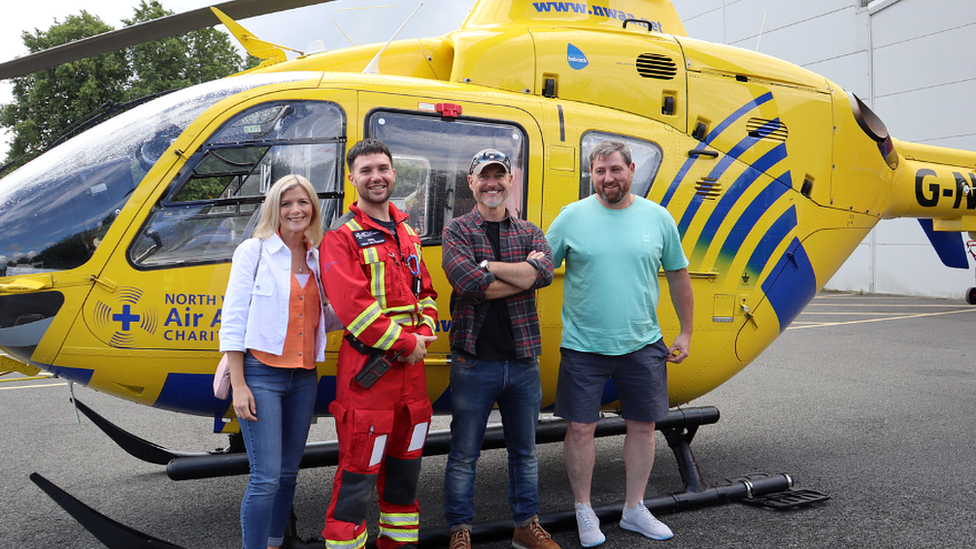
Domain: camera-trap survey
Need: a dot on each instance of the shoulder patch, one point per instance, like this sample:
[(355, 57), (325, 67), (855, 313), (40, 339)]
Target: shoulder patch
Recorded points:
[(346, 218)]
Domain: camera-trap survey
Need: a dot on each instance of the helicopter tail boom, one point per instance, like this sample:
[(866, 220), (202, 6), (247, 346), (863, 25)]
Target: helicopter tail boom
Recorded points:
[(935, 183)]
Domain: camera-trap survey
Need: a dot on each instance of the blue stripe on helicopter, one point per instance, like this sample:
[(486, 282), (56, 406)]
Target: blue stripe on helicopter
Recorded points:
[(193, 394), (721, 127), (750, 217), (778, 231), (791, 285), (78, 375), (734, 192)]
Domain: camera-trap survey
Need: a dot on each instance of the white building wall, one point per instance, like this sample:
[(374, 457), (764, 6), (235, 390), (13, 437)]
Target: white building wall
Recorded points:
[(912, 61)]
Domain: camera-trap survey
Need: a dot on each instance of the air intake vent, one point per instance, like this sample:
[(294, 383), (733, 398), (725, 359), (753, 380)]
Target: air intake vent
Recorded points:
[(653, 65), (708, 188), (762, 128)]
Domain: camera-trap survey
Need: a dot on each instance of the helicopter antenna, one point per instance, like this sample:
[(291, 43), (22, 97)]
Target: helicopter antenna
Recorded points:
[(350, 9), (374, 65), (761, 28)]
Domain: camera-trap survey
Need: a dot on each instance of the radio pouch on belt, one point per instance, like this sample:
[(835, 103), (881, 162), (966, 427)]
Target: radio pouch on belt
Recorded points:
[(375, 367)]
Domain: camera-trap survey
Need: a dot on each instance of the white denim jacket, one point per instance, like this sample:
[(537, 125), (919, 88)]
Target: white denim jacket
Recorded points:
[(262, 325)]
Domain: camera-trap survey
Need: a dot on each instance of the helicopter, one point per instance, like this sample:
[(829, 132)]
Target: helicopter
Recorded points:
[(117, 243)]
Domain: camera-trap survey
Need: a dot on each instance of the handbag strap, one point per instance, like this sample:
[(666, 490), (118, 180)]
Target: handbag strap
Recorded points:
[(255, 277)]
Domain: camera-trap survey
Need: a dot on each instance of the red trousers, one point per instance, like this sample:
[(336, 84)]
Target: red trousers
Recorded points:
[(381, 432)]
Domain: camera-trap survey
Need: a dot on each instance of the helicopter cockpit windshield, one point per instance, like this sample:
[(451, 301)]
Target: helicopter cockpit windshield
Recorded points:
[(55, 210)]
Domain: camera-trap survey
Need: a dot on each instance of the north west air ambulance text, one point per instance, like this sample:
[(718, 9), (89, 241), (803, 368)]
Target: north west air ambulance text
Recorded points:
[(186, 322), (597, 11), (190, 318)]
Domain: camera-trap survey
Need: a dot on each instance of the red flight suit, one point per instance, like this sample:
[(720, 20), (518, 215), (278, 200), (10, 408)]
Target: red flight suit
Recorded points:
[(381, 430)]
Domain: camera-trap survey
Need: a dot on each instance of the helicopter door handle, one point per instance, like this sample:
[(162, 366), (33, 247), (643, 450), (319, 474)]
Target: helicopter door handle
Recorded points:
[(749, 315), (108, 284), (700, 152)]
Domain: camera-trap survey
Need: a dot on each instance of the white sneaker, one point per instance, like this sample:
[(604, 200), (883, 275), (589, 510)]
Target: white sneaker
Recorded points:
[(641, 520), (589, 526)]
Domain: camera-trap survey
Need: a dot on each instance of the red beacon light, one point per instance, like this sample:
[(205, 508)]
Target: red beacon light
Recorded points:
[(449, 110)]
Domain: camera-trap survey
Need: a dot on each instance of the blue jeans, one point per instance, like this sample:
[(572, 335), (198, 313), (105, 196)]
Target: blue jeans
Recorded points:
[(475, 386), (284, 399)]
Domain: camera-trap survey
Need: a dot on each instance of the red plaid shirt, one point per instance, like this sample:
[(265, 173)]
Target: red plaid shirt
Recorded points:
[(465, 245)]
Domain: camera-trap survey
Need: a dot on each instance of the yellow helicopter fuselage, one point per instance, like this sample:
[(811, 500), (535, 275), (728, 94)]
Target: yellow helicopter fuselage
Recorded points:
[(773, 173)]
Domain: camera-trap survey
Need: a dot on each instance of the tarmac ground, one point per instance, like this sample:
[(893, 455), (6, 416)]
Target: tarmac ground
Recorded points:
[(865, 398)]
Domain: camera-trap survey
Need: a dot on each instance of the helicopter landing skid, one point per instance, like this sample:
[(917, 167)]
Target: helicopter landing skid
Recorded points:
[(679, 429), (115, 535)]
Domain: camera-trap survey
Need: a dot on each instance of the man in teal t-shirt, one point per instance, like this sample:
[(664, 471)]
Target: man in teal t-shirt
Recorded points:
[(614, 244)]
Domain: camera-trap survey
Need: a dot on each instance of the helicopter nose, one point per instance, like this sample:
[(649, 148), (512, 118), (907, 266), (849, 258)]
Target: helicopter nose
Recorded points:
[(24, 319)]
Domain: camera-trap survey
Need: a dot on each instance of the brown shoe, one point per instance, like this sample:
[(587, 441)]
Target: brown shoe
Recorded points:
[(461, 539), (532, 536)]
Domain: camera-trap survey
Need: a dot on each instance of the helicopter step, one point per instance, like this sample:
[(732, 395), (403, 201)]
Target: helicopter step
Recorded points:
[(115, 535), (679, 429), (785, 501)]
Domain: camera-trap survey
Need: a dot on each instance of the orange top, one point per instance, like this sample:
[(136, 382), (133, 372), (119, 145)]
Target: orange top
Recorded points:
[(304, 309)]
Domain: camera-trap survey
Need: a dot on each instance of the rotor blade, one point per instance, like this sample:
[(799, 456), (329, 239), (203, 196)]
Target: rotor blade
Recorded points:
[(164, 27)]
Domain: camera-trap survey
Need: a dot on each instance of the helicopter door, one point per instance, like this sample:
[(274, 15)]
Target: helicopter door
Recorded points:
[(166, 290), (432, 154)]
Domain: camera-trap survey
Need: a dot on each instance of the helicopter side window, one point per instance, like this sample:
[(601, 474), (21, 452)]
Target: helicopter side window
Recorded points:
[(646, 156), (431, 157), (216, 201)]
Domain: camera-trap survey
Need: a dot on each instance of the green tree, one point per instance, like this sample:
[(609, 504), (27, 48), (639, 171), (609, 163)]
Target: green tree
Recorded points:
[(179, 61), (47, 102)]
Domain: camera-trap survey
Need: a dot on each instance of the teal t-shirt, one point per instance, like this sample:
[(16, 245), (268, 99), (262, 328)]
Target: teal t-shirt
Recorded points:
[(611, 290)]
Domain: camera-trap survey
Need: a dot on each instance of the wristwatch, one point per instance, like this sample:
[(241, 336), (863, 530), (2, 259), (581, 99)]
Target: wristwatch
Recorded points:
[(483, 264)]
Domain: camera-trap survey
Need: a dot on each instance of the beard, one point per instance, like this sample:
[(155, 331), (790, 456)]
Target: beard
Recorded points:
[(492, 200)]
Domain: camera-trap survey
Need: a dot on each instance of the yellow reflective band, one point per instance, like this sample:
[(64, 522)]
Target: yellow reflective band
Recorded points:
[(377, 284), (408, 309), (389, 338), (401, 319), (401, 519), (407, 536), (371, 254), (357, 543), (428, 303), (364, 319), (429, 322), (354, 225)]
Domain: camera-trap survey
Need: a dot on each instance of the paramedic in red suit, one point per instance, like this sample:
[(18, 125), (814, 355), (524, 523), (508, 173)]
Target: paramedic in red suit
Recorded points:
[(371, 263)]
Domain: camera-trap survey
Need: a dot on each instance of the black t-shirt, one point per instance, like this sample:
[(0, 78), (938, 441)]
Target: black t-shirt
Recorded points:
[(496, 340), (390, 226)]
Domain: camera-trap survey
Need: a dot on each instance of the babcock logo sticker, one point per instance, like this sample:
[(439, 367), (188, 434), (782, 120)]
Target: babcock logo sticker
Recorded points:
[(577, 59)]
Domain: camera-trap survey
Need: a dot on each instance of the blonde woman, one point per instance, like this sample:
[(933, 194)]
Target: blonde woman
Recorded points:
[(274, 320)]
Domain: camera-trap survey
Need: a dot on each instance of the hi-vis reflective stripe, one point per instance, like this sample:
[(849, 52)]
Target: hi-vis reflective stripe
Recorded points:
[(377, 273), (428, 303), (357, 543), (406, 536), (400, 519), (364, 319), (401, 527), (402, 318), (389, 338)]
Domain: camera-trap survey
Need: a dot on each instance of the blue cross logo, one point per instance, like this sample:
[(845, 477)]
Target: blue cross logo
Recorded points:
[(126, 318)]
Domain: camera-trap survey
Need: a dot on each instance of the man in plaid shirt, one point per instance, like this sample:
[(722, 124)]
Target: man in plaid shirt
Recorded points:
[(494, 262)]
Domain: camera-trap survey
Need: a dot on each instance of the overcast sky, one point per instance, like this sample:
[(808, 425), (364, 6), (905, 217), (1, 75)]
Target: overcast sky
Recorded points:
[(295, 28)]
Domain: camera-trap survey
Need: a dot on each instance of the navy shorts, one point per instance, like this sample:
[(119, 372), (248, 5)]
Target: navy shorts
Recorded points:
[(641, 380)]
